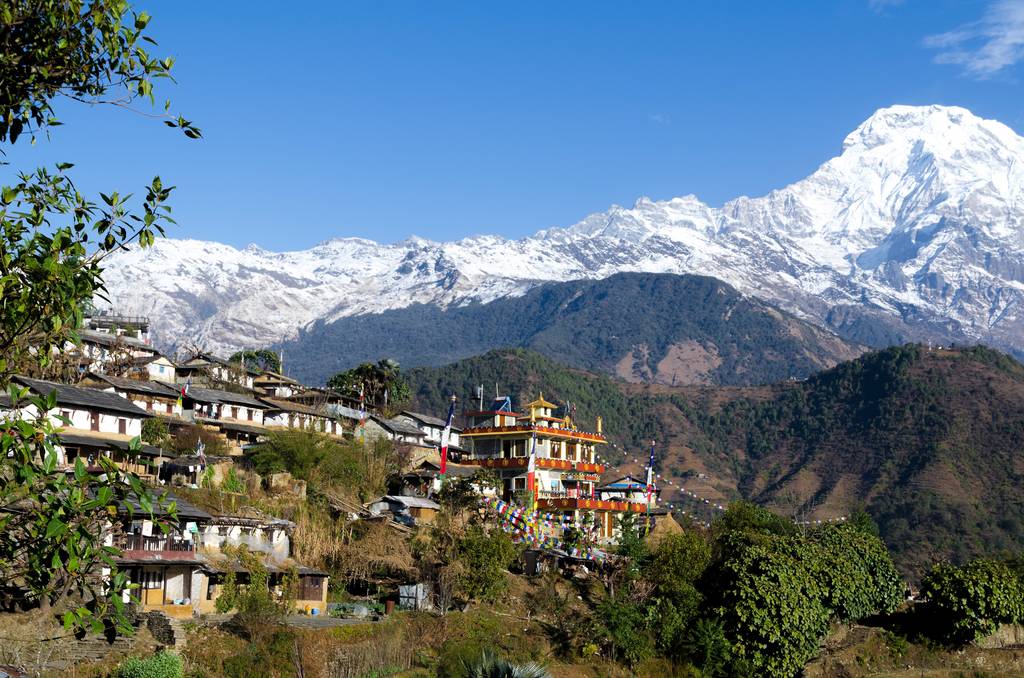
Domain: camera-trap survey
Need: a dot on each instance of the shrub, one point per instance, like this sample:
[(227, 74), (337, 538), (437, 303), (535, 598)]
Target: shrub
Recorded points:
[(488, 665), (161, 665), (485, 557), (970, 602), (625, 630)]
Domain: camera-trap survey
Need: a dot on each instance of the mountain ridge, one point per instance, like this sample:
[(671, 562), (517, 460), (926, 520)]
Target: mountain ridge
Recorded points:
[(928, 441), (641, 327), (913, 231)]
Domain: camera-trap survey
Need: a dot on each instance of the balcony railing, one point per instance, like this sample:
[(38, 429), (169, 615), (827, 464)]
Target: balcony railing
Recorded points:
[(138, 542)]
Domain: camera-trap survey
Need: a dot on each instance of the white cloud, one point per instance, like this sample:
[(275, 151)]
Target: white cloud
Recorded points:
[(987, 46), (660, 118)]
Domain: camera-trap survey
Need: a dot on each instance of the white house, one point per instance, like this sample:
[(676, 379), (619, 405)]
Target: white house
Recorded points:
[(288, 414), (97, 423), (155, 397), (431, 427)]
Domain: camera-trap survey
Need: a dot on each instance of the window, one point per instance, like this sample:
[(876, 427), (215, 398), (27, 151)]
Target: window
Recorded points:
[(149, 405), (170, 408), (519, 483), (556, 449), (248, 414), (94, 421), (234, 412), (122, 426)]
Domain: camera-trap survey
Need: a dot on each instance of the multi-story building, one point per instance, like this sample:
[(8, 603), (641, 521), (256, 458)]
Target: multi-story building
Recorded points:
[(566, 473)]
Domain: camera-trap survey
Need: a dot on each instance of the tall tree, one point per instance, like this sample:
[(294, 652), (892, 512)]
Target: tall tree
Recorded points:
[(53, 241), (382, 383)]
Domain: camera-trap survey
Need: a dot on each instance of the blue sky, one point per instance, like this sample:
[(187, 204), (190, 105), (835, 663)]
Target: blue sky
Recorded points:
[(383, 119)]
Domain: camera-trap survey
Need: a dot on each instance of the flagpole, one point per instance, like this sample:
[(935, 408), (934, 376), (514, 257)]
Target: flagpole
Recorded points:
[(650, 489)]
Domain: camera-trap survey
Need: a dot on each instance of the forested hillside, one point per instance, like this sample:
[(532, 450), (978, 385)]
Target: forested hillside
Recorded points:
[(930, 443), (641, 327)]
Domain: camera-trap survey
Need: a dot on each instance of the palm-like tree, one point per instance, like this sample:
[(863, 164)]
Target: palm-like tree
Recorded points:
[(491, 666)]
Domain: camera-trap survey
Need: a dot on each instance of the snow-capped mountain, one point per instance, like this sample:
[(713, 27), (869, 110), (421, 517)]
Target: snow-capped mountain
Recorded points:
[(915, 227)]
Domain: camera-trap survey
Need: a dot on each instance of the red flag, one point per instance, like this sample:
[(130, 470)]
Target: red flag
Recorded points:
[(446, 436)]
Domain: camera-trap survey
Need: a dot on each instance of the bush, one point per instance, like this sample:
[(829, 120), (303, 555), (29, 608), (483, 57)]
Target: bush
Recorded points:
[(970, 602), (625, 630), (484, 557), (161, 665)]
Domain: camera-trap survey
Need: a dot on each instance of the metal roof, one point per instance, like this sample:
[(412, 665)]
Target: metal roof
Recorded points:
[(77, 396), (411, 502)]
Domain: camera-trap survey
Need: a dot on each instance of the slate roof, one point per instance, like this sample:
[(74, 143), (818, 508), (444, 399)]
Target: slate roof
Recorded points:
[(428, 420), (398, 426), (102, 442), (209, 395), (108, 339), (89, 398), (186, 511), (136, 386), (289, 406)]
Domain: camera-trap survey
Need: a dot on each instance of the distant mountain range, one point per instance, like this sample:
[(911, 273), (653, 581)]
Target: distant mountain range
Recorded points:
[(929, 442), (640, 327), (913, 230)]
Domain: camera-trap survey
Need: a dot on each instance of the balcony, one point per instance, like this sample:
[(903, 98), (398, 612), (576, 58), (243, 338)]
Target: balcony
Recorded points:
[(542, 463), (552, 501), (159, 547)]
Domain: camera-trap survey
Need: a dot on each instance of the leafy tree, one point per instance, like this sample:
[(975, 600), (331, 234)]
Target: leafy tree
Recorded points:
[(770, 603), (52, 247), (743, 516), (155, 432), (381, 381), (970, 602), (856, 572), (674, 569), (264, 359)]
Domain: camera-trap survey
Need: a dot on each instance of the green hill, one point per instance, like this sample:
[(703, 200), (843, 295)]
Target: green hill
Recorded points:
[(640, 327), (931, 443)]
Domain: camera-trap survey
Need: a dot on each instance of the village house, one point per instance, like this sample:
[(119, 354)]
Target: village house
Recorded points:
[(288, 414), (423, 478), (154, 368), (405, 509), (104, 351), (166, 567), (276, 385), (93, 422), (431, 427), (155, 397), (397, 430), (205, 369), (270, 538), (237, 416), (628, 488), (566, 473)]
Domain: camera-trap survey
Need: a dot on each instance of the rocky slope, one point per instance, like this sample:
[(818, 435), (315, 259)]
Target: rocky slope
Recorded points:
[(913, 230)]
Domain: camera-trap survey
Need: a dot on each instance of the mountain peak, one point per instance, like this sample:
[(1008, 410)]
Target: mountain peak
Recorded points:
[(903, 123)]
